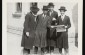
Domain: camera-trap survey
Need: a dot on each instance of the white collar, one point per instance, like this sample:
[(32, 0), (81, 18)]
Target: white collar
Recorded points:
[(44, 15), (63, 15), (34, 14)]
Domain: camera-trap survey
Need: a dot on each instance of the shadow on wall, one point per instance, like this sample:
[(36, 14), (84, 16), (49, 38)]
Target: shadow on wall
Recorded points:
[(76, 39), (75, 21)]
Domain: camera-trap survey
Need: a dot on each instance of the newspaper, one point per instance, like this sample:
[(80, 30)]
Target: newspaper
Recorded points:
[(60, 28)]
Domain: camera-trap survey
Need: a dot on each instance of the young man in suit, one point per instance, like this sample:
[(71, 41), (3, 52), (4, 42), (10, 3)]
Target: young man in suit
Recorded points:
[(62, 40), (41, 30), (29, 28), (51, 32)]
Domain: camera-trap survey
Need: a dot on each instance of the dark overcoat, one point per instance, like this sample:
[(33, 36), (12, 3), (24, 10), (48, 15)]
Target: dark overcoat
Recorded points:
[(51, 32), (62, 37), (29, 26), (41, 31)]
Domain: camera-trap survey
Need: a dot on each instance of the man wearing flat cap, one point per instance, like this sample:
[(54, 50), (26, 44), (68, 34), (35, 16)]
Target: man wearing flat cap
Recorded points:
[(29, 28), (41, 30), (51, 32), (62, 40)]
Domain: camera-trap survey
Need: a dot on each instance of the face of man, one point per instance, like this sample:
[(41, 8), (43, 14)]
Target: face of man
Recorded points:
[(35, 12), (45, 11), (51, 8), (62, 12)]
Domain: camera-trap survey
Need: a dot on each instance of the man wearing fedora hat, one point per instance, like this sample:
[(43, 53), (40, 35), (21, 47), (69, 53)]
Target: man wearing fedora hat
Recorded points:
[(29, 29), (41, 30), (62, 37), (51, 32)]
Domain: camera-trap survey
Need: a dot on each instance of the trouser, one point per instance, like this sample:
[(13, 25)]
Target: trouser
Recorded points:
[(36, 49), (60, 50), (28, 50), (42, 49), (50, 48)]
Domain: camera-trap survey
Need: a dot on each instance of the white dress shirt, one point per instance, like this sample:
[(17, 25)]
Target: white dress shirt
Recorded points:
[(35, 16), (51, 12), (44, 16), (62, 17)]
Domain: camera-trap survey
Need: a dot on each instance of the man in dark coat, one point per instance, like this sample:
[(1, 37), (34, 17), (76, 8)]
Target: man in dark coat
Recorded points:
[(41, 30), (29, 28), (51, 32), (62, 37)]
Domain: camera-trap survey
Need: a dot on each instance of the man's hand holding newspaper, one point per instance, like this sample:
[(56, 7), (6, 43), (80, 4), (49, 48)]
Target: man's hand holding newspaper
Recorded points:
[(60, 28)]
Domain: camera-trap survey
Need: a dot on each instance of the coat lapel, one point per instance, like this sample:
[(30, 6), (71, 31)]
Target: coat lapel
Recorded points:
[(52, 13), (34, 18), (64, 19), (60, 21), (44, 18)]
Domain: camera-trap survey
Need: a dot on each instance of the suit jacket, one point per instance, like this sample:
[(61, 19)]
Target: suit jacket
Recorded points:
[(30, 23), (53, 15), (41, 30), (65, 21), (43, 23), (52, 31), (62, 37), (29, 26)]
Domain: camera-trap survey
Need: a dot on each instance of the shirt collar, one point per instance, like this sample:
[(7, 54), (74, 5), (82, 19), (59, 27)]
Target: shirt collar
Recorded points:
[(34, 14), (43, 15), (51, 11), (63, 15)]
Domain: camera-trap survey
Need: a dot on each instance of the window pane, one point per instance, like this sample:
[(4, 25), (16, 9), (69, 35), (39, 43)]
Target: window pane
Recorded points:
[(19, 7)]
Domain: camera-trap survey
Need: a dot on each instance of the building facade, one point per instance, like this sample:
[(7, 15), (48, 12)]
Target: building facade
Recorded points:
[(16, 16)]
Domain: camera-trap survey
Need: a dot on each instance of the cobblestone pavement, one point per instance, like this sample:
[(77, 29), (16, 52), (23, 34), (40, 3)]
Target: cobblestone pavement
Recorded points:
[(14, 46)]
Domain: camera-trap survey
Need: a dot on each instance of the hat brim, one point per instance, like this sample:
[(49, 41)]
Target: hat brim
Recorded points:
[(44, 9), (50, 5), (34, 9), (63, 9)]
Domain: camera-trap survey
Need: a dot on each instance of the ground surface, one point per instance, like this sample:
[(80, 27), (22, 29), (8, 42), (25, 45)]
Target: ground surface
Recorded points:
[(14, 46)]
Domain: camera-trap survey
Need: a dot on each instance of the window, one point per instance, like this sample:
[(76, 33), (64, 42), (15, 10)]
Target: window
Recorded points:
[(19, 7)]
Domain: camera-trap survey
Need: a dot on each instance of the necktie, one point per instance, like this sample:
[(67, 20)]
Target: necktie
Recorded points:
[(50, 13), (35, 18), (44, 16), (62, 17)]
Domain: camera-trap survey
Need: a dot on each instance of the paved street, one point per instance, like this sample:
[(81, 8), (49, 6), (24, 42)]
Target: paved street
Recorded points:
[(14, 46)]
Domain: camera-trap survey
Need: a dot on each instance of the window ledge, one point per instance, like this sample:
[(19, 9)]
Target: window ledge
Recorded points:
[(17, 14)]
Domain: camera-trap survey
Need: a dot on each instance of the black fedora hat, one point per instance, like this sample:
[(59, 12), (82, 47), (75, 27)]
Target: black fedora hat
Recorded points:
[(50, 4), (34, 7), (62, 8), (45, 8), (33, 4)]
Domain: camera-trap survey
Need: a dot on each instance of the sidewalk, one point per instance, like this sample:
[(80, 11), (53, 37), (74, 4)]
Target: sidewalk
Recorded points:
[(14, 46)]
